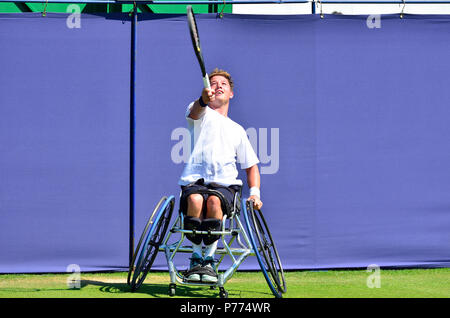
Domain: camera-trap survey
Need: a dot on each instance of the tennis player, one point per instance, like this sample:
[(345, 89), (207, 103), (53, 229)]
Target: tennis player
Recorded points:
[(218, 145)]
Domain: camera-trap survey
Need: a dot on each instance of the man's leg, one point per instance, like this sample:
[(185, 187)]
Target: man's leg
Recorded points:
[(212, 222), (195, 205), (192, 221), (214, 215), (214, 207)]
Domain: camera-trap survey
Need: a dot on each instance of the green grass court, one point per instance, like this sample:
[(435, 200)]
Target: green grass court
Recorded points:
[(404, 283)]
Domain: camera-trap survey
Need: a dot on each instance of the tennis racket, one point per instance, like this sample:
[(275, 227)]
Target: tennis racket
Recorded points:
[(196, 43)]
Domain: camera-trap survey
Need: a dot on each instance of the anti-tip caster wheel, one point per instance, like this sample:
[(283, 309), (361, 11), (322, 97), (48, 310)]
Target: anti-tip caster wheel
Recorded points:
[(172, 288), (223, 293)]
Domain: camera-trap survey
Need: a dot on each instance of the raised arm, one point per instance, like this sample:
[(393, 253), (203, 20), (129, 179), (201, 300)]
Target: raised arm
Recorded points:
[(197, 110)]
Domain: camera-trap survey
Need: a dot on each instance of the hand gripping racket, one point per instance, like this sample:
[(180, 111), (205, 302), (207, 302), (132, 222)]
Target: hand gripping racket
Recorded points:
[(196, 43)]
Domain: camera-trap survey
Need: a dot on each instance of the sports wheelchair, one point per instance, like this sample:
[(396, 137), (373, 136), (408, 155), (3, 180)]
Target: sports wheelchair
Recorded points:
[(237, 243)]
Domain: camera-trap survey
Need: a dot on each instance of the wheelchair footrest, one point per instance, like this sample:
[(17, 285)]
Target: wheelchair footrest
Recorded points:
[(219, 251)]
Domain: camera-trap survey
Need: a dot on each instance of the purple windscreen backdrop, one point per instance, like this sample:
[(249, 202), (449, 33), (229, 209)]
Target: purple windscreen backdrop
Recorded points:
[(64, 109), (347, 114), (349, 123)]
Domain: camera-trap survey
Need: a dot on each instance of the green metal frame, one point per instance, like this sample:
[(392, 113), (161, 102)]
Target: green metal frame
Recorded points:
[(17, 7)]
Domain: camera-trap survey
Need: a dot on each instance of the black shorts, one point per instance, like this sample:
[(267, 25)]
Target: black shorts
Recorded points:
[(198, 186)]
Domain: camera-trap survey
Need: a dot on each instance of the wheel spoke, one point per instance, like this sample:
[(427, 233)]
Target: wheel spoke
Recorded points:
[(267, 254), (155, 236)]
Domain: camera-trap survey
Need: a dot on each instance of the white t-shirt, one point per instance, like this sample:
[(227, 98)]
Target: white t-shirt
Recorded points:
[(217, 143)]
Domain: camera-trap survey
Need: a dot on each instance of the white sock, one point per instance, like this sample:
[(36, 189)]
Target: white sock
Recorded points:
[(211, 249), (197, 248)]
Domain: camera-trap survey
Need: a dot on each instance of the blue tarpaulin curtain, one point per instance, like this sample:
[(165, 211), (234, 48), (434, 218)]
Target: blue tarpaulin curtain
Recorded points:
[(350, 122)]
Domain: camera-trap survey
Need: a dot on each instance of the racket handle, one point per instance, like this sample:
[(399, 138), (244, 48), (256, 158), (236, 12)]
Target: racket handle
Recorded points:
[(206, 81)]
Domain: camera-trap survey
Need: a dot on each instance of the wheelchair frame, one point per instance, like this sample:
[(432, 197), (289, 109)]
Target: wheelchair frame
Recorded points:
[(232, 232)]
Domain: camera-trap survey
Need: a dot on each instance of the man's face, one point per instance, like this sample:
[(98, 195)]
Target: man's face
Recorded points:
[(222, 88)]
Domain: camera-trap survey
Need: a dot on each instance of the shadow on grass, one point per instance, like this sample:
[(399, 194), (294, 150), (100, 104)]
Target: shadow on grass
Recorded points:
[(162, 290), (153, 290)]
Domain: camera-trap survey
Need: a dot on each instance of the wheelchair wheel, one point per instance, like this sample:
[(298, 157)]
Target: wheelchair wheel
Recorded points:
[(153, 240), (143, 236), (265, 250)]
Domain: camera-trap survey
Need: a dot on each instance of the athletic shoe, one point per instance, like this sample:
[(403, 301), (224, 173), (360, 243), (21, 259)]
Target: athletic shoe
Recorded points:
[(209, 271), (195, 266)]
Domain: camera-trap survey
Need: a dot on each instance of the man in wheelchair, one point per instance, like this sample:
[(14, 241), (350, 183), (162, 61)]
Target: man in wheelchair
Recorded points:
[(209, 180)]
